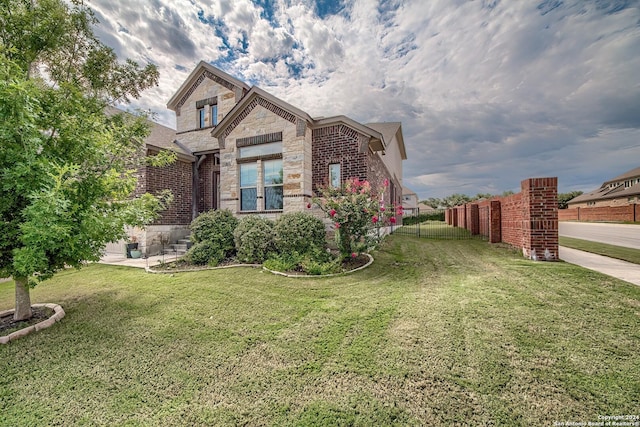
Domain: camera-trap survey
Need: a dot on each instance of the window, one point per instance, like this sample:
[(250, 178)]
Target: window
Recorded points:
[(248, 186), (200, 118), (272, 174), (260, 149), (334, 175), (214, 115)]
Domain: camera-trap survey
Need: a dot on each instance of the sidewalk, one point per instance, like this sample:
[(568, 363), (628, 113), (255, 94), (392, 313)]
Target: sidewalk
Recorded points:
[(619, 269), (119, 259)]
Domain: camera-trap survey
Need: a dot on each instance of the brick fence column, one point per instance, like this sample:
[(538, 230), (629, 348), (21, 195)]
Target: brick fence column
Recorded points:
[(540, 221), (474, 214), (495, 222), (454, 217)]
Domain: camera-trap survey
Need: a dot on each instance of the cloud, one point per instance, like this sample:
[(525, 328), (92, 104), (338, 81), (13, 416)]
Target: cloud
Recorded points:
[(489, 92)]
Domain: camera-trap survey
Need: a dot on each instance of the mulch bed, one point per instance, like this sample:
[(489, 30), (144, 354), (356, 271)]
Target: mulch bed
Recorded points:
[(182, 265), (8, 325)]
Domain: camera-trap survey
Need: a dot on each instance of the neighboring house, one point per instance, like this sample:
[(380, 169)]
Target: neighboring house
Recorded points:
[(241, 148), (409, 200), (620, 191)]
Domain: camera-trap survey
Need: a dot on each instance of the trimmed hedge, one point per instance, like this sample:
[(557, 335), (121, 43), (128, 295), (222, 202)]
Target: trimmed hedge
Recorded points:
[(254, 239), (299, 232)]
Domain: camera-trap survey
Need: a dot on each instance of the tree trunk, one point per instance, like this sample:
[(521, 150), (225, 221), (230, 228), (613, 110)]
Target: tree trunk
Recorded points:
[(23, 299)]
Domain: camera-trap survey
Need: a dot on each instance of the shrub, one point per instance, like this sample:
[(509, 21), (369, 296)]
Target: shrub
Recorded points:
[(216, 227), (284, 262), (299, 232), (356, 212), (203, 253), (254, 239)]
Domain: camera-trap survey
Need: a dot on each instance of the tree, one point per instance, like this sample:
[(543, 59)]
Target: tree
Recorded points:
[(564, 198), (434, 202), (66, 171)]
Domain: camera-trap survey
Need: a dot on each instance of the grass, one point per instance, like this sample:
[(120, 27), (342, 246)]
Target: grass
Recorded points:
[(433, 333), (612, 251)]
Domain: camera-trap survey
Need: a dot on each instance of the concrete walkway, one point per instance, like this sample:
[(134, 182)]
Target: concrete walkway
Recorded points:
[(619, 269), (119, 259)]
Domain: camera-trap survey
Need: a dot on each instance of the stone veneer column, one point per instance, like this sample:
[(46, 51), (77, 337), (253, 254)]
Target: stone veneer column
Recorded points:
[(540, 221)]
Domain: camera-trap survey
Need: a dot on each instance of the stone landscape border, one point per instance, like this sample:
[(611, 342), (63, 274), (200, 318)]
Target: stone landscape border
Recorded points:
[(319, 276), (301, 276), (58, 314)]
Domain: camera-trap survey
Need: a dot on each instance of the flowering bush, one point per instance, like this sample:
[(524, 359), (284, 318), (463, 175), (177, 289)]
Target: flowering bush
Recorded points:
[(356, 212)]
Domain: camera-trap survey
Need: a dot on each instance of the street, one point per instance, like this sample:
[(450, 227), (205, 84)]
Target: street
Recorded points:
[(626, 235)]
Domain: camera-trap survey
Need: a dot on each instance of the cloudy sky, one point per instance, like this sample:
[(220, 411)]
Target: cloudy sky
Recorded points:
[(489, 92)]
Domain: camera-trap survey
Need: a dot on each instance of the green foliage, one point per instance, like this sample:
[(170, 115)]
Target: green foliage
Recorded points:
[(215, 226), (320, 262), (67, 168), (416, 219), (289, 261), (205, 253), (315, 261), (254, 239), (299, 232), (564, 198)]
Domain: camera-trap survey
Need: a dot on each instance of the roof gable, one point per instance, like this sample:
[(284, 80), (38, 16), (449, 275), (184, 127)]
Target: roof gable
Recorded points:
[(200, 72), (389, 130), (375, 140), (253, 98)]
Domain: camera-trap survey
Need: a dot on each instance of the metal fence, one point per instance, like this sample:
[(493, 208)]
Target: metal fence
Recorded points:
[(431, 225)]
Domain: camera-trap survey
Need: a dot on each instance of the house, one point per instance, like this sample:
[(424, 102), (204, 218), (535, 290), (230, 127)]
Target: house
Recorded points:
[(243, 149), (409, 200), (620, 191)]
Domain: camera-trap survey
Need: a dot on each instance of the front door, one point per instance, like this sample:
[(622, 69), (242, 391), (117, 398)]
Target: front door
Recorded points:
[(216, 190)]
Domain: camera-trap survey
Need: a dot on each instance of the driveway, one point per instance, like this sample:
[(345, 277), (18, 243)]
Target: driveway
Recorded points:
[(627, 235)]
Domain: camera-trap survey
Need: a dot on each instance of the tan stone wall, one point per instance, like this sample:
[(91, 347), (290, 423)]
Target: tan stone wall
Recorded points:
[(296, 156), (187, 120)]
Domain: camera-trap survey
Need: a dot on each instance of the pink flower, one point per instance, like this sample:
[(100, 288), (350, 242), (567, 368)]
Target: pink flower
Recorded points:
[(392, 220), (332, 213), (354, 255), (382, 209), (374, 219), (337, 225), (385, 182)]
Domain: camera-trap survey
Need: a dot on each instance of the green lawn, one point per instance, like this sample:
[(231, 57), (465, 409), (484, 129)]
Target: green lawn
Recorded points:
[(433, 333), (612, 251)]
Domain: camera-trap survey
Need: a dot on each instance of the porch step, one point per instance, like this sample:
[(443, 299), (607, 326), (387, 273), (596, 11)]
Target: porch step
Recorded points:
[(176, 249)]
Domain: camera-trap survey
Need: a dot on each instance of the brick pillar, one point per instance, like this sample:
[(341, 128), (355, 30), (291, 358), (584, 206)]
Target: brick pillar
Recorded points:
[(495, 222), (540, 222), (454, 215), (474, 214), (465, 220)]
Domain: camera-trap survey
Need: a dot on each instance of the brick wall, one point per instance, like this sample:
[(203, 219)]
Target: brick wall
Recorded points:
[(341, 144), (336, 144), (527, 220), (604, 213), (177, 178)]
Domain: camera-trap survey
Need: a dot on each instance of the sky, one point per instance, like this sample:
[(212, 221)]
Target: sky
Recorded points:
[(489, 92)]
